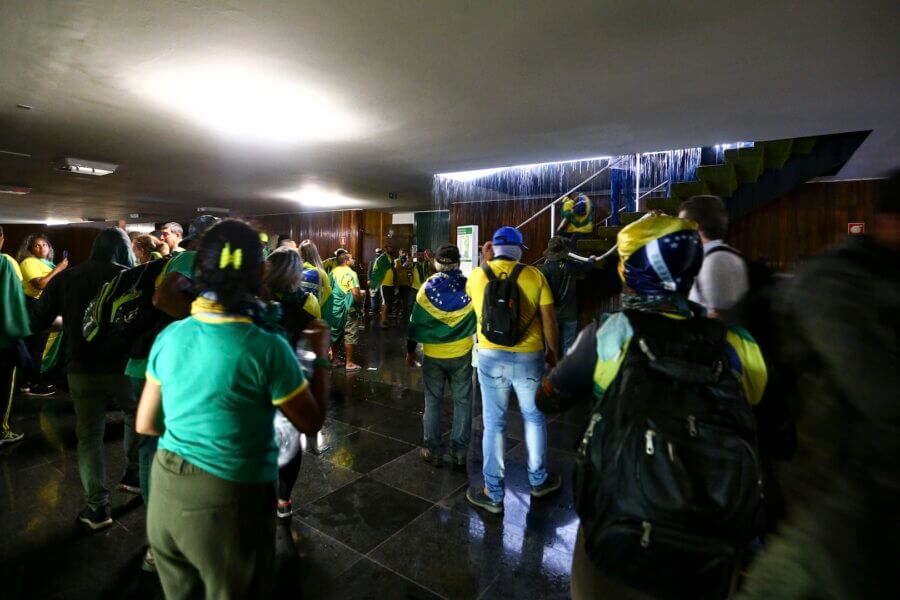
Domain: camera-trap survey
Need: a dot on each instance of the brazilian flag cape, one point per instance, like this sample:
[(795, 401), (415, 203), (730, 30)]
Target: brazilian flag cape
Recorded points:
[(14, 322), (443, 312), (342, 301), (318, 282), (379, 270)]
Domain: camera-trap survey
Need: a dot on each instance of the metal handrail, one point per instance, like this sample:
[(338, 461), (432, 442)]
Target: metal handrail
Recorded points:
[(648, 192), (538, 213), (637, 202)]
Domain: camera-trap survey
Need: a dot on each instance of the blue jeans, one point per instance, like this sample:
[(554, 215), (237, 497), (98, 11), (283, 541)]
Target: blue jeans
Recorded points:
[(568, 331), (498, 372)]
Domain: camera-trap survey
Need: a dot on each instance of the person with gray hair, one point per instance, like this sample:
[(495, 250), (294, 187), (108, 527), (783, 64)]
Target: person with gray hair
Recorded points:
[(172, 234), (723, 280)]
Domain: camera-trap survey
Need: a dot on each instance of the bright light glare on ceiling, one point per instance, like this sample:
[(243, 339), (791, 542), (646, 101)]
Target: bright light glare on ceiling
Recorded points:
[(465, 176), (316, 196), (245, 102)]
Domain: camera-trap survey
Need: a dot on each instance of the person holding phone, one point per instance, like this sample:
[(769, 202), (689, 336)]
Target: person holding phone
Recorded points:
[(38, 270)]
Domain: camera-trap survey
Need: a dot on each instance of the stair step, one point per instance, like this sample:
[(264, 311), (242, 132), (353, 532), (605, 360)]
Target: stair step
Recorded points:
[(627, 218), (595, 246), (608, 233), (720, 179), (749, 163), (777, 152), (669, 206), (685, 189), (803, 145)]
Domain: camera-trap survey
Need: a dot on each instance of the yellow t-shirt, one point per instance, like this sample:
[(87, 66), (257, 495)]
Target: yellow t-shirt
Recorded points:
[(15, 265), (534, 293), (388, 277), (33, 268), (402, 272)]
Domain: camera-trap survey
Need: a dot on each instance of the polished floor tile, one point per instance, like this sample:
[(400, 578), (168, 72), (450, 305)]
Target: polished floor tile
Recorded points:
[(363, 451), (319, 477), (415, 476), (371, 518), (367, 579), (454, 555), (363, 514)]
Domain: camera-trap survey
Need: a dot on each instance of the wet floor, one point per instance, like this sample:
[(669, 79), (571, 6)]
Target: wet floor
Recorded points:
[(371, 518)]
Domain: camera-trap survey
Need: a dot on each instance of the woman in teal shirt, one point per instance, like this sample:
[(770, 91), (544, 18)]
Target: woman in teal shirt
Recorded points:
[(214, 381)]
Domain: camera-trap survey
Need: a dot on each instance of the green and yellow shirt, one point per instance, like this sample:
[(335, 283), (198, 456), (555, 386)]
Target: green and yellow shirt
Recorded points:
[(222, 377)]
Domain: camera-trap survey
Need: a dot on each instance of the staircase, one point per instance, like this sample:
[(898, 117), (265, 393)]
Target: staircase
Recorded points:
[(747, 179)]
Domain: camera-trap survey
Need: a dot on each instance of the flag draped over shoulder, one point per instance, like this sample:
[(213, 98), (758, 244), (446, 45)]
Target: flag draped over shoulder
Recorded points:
[(317, 282), (443, 311), (379, 270), (14, 322), (343, 280)]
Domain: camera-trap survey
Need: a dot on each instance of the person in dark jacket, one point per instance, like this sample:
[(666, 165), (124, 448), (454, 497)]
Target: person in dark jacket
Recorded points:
[(841, 333), (94, 369), (561, 271)]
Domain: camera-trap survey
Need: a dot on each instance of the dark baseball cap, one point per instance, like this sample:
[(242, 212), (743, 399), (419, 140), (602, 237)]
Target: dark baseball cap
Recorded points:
[(448, 254)]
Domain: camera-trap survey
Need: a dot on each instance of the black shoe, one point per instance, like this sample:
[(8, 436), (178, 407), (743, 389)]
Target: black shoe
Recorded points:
[(430, 457), (481, 500), (130, 483), (95, 519), (550, 485), (42, 390), (458, 462)]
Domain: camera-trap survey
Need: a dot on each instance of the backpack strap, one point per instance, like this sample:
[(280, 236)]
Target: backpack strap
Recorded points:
[(487, 271), (517, 269)]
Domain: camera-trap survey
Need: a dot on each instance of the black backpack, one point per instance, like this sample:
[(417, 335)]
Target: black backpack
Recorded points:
[(667, 482), (122, 312), (502, 307)]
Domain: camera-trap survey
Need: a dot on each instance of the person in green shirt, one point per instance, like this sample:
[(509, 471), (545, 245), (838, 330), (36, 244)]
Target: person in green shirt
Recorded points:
[(209, 520), (347, 298), (14, 325)]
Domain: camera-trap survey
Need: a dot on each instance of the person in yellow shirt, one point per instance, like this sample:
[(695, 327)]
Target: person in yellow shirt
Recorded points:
[(347, 299), (577, 218), (38, 269), (520, 367), (402, 281)]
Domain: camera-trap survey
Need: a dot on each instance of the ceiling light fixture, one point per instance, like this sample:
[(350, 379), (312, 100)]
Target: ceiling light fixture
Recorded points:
[(247, 101), (86, 167), (315, 196)]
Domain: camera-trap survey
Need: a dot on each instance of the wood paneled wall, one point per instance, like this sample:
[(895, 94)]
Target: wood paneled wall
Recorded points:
[(492, 215), (76, 239), (805, 221), (359, 231)]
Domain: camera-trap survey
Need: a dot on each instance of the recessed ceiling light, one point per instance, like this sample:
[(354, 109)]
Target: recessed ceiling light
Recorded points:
[(316, 196), (86, 167), (249, 102)]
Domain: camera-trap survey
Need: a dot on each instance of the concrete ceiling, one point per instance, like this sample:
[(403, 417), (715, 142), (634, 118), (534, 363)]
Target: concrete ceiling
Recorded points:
[(428, 87)]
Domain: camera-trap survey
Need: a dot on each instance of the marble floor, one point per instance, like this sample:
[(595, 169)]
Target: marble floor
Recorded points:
[(371, 518)]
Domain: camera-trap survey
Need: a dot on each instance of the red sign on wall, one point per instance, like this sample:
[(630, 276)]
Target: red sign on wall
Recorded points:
[(856, 228)]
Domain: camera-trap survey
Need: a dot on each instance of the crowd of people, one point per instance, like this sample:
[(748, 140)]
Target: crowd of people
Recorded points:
[(734, 418)]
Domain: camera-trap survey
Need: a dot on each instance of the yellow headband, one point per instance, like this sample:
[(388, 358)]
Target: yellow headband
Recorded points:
[(227, 257)]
